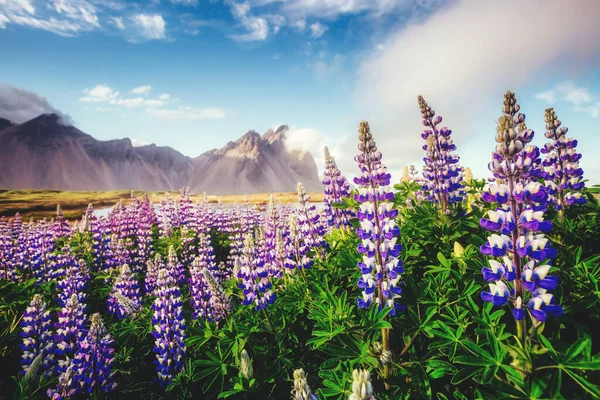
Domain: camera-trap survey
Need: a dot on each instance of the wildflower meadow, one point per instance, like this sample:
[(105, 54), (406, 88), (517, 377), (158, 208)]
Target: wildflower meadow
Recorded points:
[(432, 285)]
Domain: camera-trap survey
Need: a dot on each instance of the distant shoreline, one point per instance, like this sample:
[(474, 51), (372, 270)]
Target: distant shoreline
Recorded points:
[(40, 203)]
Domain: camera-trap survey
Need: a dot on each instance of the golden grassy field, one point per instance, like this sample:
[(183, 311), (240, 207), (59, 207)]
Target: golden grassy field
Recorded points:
[(42, 203)]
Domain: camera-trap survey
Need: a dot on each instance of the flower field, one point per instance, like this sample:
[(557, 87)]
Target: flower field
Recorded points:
[(433, 285)]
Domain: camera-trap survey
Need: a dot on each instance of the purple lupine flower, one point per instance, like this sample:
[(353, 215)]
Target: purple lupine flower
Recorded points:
[(7, 256), (189, 245), (175, 268), (65, 389), (518, 247), (336, 188), (219, 303), (296, 248), (152, 268), (311, 226), (237, 232), (442, 172), (564, 177), (61, 227), (36, 334), (73, 281), (199, 294), (16, 227), (92, 362), (127, 286), (186, 209), (256, 286), (169, 328), (69, 330), (380, 267)]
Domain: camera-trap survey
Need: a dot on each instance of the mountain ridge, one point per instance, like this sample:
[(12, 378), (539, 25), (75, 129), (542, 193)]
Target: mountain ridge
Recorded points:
[(45, 152)]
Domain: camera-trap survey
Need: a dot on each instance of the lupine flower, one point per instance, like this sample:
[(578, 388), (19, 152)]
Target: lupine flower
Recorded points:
[(127, 286), (69, 330), (564, 177), (380, 266), (336, 188), (174, 266), (246, 365), (361, 385), (37, 338), (442, 172), (73, 282), (199, 292), (92, 363), (383, 355), (255, 277), (309, 221), (189, 246), (219, 304), (169, 328), (61, 227), (296, 248), (65, 389), (152, 268), (519, 245), (301, 390)]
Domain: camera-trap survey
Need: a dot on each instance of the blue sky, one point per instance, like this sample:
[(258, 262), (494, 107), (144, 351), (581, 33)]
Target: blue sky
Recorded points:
[(194, 74)]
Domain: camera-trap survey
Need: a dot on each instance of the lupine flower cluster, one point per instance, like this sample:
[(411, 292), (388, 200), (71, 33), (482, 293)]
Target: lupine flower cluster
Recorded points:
[(70, 329), (301, 390), (92, 362), (175, 268), (362, 389), (254, 277), (310, 223), (336, 188), (380, 266), (517, 245), (37, 336), (126, 286), (442, 173), (296, 249), (169, 328), (564, 177)]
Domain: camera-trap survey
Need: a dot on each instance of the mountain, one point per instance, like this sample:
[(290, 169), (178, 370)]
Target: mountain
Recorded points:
[(47, 153)]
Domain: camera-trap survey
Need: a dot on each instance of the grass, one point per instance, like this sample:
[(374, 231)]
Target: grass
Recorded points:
[(42, 203)]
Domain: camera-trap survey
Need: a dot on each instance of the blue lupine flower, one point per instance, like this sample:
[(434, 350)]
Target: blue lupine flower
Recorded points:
[(564, 177), (169, 328), (336, 188), (70, 329), (443, 175), (519, 218), (127, 286), (36, 335), (92, 362), (255, 283), (380, 267)]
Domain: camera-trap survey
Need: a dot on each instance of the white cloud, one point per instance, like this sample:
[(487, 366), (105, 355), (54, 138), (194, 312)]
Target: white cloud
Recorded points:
[(463, 58), (317, 30), (574, 94), (150, 26), (548, 96), (79, 10), (99, 93), (592, 109), (299, 24), (257, 27), (118, 22), (129, 102), (62, 17), (141, 89), (185, 2), (3, 21), (138, 143), (187, 113), (164, 96)]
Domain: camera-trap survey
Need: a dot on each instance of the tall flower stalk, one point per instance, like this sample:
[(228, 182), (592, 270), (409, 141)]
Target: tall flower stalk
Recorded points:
[(442, 172), (311, 226), (517, 274), (336, 188), (36, 334), (378, 231), (169, 328), (564, 177)]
